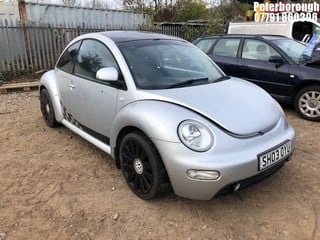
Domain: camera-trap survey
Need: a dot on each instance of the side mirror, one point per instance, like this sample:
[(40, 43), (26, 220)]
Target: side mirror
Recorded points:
[(107, 74), (277, 60)]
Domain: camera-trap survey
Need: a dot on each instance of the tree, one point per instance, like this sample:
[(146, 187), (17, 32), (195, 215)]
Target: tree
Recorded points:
[(70, 2), (169, 10), (191, 10), (228, 11), (165, 14), (99, 4), (140, 5)]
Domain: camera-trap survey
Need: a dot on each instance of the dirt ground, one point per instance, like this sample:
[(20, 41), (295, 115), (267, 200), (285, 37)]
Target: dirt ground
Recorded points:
[(55, 185)]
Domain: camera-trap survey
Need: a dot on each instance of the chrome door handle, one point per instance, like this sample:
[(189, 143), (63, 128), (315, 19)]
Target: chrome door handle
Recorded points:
[(71, 86)]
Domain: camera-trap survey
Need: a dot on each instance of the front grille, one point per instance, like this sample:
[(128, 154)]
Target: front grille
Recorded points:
[(251, 180)]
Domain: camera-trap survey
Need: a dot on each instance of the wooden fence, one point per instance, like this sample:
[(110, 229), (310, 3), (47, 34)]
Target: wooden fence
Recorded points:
[(26, 50)]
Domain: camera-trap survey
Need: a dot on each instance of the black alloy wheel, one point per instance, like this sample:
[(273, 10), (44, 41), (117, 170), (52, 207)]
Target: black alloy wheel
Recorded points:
[(142, 166)]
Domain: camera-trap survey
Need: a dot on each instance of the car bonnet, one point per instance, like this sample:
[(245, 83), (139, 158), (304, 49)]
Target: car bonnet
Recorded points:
[(239, 107)]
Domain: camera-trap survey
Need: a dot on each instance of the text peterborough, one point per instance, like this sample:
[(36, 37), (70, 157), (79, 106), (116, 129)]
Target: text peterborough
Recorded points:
[(286, 7)]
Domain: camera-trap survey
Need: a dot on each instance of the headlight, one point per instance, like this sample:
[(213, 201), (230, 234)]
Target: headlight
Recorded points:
[(195, 135)]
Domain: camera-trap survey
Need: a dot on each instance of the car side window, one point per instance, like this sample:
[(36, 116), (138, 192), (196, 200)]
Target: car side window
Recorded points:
[(66, 61), (257, 50), (93, 55), (205, 44), (227, 47)]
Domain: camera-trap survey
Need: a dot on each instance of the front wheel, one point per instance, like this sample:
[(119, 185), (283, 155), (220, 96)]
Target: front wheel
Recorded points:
[(47, 109), (307, 103), (142, 166)]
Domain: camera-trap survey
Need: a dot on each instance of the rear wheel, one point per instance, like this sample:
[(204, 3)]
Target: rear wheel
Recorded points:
[(47, 109), (307, 103), (142, 166)]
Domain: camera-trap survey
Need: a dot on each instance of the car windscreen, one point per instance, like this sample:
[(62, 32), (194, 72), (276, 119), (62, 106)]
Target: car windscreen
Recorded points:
[(161, 64), (292, 48)]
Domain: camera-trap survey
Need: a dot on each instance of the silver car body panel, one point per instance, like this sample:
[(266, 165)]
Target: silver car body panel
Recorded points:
[(223, 107), (233, 106)]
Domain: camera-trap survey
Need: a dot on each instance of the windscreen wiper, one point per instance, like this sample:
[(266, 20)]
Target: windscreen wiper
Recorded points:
[(188, 82), (222, 78)]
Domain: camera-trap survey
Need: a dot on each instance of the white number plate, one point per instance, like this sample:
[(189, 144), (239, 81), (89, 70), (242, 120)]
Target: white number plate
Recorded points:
[(275, 155)]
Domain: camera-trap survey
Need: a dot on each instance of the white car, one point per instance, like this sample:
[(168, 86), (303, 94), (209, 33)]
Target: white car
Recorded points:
[(168, 116)]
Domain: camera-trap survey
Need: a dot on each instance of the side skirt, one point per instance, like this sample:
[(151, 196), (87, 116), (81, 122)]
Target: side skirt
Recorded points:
[(104, 147)]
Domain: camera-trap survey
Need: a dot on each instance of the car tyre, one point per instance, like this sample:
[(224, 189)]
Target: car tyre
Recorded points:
[(307, 103), (47, 109), (142, 166)]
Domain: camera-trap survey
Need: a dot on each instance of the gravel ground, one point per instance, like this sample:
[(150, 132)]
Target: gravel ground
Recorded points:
[(55, 185)]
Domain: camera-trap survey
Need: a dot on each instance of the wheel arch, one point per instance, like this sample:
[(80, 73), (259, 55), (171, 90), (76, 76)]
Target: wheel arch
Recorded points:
[(149, 118), (124, 131), (302, 85), (48, 82)]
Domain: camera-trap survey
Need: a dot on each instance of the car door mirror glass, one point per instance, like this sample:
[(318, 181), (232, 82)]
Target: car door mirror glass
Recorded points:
[(107, 74)]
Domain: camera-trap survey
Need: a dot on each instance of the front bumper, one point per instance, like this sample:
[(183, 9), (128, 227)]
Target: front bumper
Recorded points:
[(235, 159), (232, 187)]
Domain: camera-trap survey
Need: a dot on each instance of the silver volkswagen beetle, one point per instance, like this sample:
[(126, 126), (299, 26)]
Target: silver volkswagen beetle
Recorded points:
[(168, 116)]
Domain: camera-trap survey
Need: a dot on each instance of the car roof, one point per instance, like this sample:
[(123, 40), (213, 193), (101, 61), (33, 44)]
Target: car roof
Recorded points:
[(261, 36), (125, 36)]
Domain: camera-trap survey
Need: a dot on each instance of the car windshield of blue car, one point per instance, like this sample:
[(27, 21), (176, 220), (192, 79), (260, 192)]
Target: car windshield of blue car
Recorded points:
[(162, 64), (292, 48)]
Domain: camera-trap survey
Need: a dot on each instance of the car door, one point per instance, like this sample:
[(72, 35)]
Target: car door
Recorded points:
[(254, 65), (224, 53), (63, 74), (93, 101)]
